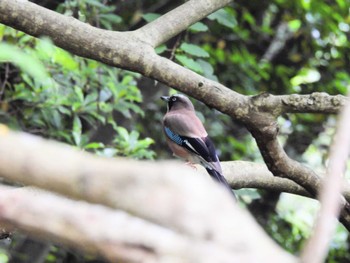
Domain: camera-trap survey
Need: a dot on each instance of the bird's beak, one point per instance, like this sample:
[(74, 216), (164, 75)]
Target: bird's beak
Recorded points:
[(165, 98)]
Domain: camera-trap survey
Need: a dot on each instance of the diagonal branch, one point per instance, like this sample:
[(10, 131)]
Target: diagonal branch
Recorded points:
[(129, 50), (178, 20), (281, 165)]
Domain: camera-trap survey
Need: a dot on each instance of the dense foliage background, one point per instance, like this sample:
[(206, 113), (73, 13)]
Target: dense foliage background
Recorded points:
[(279, 46)]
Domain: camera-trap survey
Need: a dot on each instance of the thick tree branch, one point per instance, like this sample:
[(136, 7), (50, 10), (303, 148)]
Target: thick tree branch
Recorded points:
[(163, 193), (129, 50), (113, 234)]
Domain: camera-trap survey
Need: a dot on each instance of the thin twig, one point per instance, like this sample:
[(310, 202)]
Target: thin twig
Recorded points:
[(3, 84), (330, 196), (173, 49)]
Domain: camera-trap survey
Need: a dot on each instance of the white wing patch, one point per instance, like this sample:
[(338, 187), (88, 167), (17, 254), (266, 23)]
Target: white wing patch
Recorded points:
[(190, 146)]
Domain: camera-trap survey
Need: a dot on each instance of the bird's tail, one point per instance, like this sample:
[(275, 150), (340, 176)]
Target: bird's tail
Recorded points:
[(217, 176)]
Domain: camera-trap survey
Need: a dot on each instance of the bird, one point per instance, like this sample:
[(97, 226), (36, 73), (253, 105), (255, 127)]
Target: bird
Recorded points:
[(188, 139)]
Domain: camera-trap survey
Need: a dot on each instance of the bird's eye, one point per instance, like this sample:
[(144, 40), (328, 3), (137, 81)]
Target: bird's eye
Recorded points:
[(173, 98)]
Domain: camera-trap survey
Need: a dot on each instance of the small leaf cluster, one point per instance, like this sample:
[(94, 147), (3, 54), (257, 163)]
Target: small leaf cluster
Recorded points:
[(67, 98)]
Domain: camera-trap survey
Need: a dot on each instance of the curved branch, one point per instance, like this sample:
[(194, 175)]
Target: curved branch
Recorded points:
[(265, 132), (178, 20), (113, 234), (164, 193), (130, 50), (242, 174)]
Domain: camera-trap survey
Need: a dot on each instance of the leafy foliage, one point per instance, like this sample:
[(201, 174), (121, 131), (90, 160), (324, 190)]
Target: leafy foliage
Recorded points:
[(71, 100)]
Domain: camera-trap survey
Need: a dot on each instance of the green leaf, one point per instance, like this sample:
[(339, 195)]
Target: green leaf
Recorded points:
[(198, 27), (189, 63), (306, 75), (149, 17), (25, 62), (123, 133), (2, 31), (95, 3), (160, 49), (294, 25), (111, 18), (94, 145), (90, 98), (77, 130), (223, 17), (208, 70), (56, 120), (64, 110), (79, 93), (127, 80), (249, 18), (194, 50), (65, 59)]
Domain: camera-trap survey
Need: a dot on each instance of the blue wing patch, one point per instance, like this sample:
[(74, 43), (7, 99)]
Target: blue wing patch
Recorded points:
[(200, 146), (173, 136)]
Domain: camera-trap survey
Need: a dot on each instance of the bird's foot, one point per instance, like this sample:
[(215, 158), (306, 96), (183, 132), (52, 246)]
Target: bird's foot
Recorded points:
[(191, 165)]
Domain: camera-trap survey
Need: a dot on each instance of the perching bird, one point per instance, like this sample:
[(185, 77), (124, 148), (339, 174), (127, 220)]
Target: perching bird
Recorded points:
[(188, 139)]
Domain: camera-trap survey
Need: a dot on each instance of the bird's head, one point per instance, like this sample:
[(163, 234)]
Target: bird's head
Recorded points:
[(177, 102)]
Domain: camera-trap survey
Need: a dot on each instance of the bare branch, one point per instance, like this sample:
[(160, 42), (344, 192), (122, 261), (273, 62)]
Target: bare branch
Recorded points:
[(178, 20), (280, 164), (317, 102), (242, 174), (330, 195), (283, 34), (129, 50)]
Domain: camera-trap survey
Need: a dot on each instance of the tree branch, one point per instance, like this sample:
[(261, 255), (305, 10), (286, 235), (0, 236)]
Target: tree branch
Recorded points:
[(242, 174), (178, 20), (317, 102), (113, 234), (129, 50), (265, 131), (163, 193), (283, 34)]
